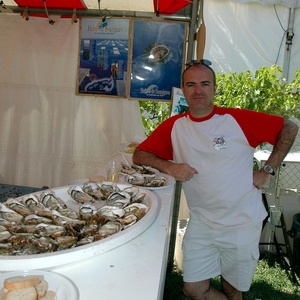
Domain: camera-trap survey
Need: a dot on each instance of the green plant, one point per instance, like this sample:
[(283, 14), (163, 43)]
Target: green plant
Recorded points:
[(153, 113), (263, 91)]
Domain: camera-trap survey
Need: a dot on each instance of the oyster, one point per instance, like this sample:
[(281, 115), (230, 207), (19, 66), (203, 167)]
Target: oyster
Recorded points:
[(86, 240), (37, 207), (87, 230), (128, 220), (62, 220), (137, 209), (127, 169), (65, 242), (9, 215), (138, 198), (4, 234), (111, 212), (17, 207), (132, 190), (35, 219), (108, 188), (79, 195), (86, 211), (45, 244), (156, 182), (28, 244), (68, 212), (4, 222), (136, 178), (6, 248), (118, 199), (50, 200), (20, 228), (50, 230), (110, 228), (93, 189)]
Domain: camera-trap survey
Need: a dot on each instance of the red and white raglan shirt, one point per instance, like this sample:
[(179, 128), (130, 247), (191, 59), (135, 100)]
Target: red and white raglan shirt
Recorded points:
[(221, 148)]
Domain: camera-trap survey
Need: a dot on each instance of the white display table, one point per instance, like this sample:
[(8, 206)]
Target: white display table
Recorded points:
[(135, 270)]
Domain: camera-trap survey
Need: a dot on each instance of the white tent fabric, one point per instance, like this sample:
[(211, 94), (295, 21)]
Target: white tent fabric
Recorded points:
[(288, 3), (49, 135), (243, 37)]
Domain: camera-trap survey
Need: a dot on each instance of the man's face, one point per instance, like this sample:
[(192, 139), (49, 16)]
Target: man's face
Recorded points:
[(199, 90)]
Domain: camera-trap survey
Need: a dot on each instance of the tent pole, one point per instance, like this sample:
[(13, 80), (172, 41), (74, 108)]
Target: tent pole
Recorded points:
[(289, 42), (192, 31)]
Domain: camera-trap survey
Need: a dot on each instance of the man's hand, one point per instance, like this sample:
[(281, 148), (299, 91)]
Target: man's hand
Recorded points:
[(261, 179), (182, 172)]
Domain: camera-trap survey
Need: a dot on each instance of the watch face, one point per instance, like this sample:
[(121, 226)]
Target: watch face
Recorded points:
[(269, 169)]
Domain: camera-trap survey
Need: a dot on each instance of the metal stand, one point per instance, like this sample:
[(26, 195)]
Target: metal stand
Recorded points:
[(276, 219), (173, 234)]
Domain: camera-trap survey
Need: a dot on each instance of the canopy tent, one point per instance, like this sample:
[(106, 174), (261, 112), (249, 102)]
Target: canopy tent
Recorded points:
[(49, 135), (150, 6)]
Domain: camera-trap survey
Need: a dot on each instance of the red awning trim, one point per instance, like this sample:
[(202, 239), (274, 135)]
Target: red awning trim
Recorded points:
[(53, 4), (169, 7)]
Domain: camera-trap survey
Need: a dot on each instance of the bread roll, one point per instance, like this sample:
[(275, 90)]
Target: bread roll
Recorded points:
[(2, 294), (50, 295), (41, 288), (28, 293), (20, 282)]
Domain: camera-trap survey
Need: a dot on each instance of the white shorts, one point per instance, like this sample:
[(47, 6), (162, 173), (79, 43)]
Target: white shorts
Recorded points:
[(209, 252)]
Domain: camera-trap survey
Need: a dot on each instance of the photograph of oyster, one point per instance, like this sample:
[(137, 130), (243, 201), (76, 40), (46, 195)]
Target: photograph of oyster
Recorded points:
[(159, 53), (42, 222)]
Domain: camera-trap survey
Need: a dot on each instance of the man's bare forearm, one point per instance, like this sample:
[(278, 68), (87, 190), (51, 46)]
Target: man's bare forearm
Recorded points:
[(180, 171), (149, 159), (283, 144)]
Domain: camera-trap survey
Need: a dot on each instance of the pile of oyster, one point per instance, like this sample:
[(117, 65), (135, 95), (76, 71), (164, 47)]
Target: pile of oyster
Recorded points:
[(142, 176), (42, 223)]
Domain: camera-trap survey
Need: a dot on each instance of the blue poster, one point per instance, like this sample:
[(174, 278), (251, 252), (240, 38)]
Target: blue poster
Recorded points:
[(157, 57), (103, 56)]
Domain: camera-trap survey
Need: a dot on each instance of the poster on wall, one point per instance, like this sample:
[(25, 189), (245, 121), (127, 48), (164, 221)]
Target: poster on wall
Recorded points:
[(157, 59), (179, 104), (103, 57)]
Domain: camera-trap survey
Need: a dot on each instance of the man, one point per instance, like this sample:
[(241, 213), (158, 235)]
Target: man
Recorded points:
[(210, 149)]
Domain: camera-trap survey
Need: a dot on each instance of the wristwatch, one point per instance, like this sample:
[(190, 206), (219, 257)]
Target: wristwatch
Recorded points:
[(269, 169)]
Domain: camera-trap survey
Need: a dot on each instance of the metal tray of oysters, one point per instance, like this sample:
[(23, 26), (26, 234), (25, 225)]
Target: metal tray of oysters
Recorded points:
[(67, 224)]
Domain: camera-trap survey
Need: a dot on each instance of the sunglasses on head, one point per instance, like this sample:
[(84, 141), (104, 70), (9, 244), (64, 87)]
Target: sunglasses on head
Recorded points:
[(204, 62)]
